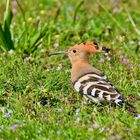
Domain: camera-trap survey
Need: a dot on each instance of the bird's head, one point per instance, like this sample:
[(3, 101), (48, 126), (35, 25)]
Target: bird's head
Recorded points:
[(82, 51)]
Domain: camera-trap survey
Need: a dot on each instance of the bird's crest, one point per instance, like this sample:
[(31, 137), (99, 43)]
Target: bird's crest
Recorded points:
[(89, 47)]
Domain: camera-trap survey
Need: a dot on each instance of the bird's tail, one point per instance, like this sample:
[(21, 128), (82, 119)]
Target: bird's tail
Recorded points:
[(129, 107)]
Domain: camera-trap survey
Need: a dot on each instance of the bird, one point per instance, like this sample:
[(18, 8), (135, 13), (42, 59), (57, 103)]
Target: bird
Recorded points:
[(90, 82)]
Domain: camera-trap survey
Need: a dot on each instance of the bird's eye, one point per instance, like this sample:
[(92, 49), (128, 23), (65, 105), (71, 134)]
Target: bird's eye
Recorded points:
[(74, 51), (97, 47)]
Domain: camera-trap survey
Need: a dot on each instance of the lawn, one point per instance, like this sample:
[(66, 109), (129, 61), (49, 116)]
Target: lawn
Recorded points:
[(37, 101)]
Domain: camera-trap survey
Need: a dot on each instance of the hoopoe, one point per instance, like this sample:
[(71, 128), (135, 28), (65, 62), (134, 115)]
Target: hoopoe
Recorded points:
[(89, 81)]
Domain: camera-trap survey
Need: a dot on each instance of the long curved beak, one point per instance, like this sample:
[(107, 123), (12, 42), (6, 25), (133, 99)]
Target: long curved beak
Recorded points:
[(60, 52)]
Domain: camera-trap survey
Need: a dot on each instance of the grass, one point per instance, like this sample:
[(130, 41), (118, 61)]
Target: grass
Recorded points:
[(37, 100)]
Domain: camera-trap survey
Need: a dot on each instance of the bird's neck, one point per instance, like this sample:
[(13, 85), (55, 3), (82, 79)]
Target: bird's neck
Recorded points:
[(80, 68)]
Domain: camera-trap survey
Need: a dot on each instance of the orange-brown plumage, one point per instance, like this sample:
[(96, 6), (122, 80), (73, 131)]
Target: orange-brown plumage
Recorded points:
[(80, 59)]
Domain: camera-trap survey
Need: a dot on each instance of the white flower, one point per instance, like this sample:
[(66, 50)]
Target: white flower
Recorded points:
[(2, 109), (58, 132), (11, 51), (77, 111), (137, 117), (56, 45)]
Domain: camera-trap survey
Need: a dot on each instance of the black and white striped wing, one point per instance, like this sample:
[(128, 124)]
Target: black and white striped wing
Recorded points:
[(98, 88)]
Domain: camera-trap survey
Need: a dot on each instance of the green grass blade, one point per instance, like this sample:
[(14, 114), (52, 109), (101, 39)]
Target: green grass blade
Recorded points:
[(3, 44), (8, 15), (76, 10), (7, 22), (8, 38), (137, 49), (57, 14), (5, 33), (36, 38)]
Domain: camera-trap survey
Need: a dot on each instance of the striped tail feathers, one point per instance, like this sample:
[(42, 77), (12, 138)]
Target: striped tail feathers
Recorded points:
[(127, 106), (131, 108)]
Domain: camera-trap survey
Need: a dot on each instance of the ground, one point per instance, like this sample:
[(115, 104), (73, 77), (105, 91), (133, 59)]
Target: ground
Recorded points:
[(37, 101)]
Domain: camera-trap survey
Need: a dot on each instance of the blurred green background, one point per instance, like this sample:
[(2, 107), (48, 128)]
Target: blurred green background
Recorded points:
[(37, 100)]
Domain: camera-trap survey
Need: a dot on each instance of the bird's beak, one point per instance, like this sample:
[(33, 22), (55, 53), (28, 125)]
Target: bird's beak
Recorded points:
[(60, 52), (105, 50)]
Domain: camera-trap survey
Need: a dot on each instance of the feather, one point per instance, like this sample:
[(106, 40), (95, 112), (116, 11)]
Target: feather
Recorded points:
[(99, 89)]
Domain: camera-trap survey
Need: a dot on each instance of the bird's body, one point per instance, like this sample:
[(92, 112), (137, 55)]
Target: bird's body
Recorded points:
[(89, 81), (92, 84), (97, 88)]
